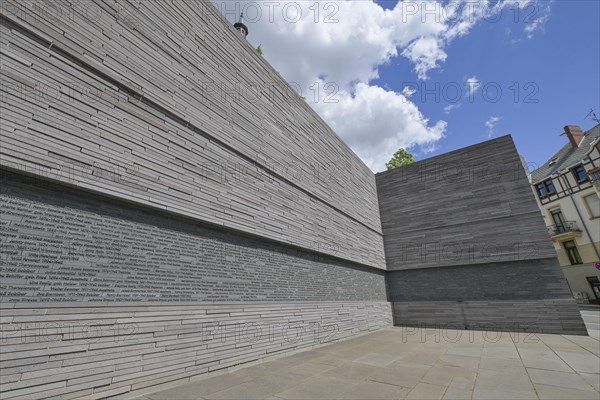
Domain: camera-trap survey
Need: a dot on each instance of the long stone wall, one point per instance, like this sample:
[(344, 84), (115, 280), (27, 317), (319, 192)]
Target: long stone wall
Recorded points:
[(518, 296), (171, 208), (466, 246), (102, 297), (516, 280), (164, 104)]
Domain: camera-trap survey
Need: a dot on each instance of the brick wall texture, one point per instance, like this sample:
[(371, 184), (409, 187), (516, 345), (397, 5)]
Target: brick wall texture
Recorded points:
[(128, 349), (470, 206)]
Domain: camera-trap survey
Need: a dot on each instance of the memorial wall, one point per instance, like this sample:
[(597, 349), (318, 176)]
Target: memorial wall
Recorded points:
[(467, 247), (103, 297), (171, 208), (64, 245)]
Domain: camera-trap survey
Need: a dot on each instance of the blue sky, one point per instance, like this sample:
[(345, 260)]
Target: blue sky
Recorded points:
[(544, 57), (556, 74)]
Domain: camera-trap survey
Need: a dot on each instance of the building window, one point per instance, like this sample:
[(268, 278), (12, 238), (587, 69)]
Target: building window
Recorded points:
[(572, 252), (595, 284), (559, 221), (550, 186), (545, 188), (541, 189), (592, 202), (579, 174)]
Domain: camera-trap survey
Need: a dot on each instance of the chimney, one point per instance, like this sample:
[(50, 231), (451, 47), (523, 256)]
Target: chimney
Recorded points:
[(575, 135)]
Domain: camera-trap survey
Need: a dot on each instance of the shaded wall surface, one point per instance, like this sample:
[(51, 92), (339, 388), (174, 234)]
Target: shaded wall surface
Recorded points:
[(466, 246), (170, 207)]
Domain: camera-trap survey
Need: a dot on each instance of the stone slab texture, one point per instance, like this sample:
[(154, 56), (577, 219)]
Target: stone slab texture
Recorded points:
[(516, 280), (164, 104), (556, 316), (470, 206), (171, 208), (412, 363), (102, 297), (128, 349), (466, 246), (63, 245)]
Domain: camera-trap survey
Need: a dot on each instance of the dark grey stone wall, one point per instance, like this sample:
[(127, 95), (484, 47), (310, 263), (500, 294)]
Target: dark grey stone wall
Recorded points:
[(470, 206), (163, 103), (518, 296), (466, 246), (64, 245), (522, 280), (554, 316)]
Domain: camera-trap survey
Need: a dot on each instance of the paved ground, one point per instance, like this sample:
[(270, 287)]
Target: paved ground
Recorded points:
[(406, 363)]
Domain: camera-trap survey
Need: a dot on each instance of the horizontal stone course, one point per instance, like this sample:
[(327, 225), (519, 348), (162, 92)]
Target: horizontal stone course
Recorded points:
[(100, 354), (554, 316), (524, 280), (159, 224), (102, 298), (62, 245)]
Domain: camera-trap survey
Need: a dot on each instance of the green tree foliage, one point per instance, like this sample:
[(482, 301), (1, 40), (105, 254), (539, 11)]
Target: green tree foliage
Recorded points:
[(399, 159), (259, 49)]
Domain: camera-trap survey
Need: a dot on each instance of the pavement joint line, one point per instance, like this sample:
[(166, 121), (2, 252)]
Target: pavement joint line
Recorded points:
[(577, 344), (562, 359)]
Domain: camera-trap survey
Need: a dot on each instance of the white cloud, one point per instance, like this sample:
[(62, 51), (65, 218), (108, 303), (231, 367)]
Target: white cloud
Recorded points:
[(534, 14), (426, 53), (491, 125), (376, 122), (450, 107), (344, 43), (364, 37), (536, 24), (408, 91), (472, 85)]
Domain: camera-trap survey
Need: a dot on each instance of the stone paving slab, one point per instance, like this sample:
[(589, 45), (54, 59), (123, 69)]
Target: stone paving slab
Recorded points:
[(409, 363)]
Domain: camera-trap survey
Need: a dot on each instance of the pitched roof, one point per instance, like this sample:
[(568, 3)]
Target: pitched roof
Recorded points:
[(568, 156)]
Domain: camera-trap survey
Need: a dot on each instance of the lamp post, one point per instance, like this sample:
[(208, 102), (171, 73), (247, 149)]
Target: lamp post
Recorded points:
[(241, 27)]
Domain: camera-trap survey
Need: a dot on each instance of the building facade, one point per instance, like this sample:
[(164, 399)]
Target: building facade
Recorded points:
[(567, 192)]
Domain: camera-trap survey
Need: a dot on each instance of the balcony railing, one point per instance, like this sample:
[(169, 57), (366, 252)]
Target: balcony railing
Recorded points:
[(565, 227)]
